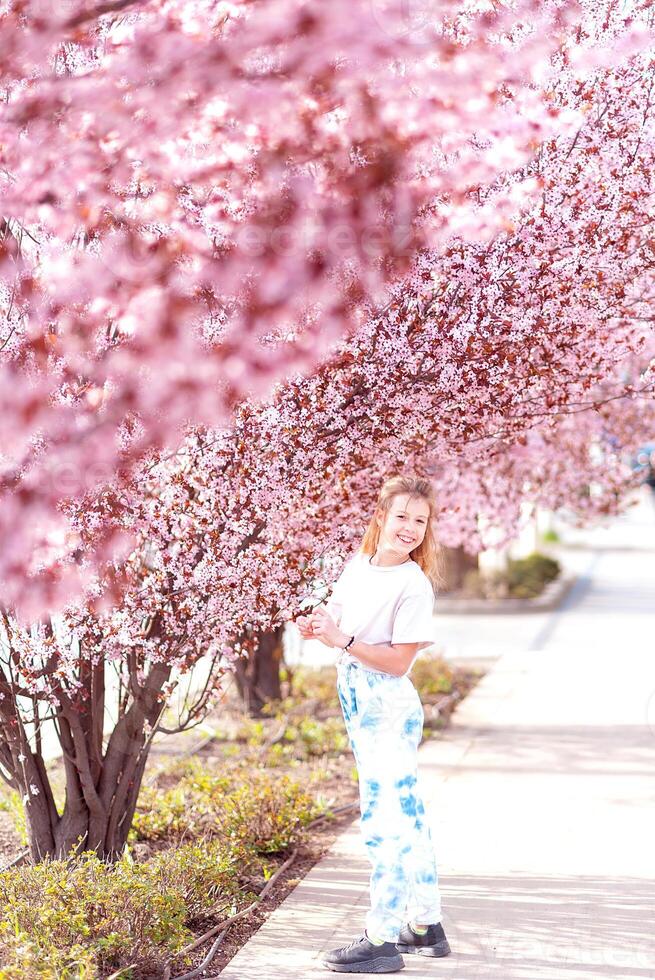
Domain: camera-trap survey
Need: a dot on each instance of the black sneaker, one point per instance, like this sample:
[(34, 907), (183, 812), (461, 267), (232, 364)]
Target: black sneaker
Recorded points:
[(433, 943), (363, 956)]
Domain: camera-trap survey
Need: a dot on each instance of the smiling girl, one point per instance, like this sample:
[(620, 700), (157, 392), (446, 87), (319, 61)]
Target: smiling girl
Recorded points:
[(380, 616)]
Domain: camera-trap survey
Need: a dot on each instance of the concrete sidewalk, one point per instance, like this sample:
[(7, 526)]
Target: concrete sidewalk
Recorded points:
[(542, 801)]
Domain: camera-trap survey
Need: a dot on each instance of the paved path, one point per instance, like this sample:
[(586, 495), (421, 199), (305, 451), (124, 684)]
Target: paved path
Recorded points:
[(542, 801)]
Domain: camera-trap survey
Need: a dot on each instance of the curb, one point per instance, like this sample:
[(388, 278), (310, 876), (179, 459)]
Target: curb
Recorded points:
[(549, 599)]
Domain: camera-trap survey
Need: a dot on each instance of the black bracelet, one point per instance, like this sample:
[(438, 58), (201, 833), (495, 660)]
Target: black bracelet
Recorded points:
[(349, 642)]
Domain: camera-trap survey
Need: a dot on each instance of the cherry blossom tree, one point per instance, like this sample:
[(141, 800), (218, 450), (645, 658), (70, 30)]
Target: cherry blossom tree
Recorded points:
[(236, 531), (200, 198), (494, 365)]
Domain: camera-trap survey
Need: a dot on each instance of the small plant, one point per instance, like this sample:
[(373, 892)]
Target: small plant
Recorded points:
[(251, 808), (83, 918), (311, 683), (311, 737), (432, 675), (527, 577), (524, 578)]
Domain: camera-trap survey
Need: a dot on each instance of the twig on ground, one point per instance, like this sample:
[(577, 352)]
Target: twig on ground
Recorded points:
[(17, 860), (120, 972), (329, 813), (222, 926), (205, 963)]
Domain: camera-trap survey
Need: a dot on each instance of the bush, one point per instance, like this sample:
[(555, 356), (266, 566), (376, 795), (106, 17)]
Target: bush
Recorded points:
[(524, 578), (247, 807), (84, 918), (298, 737), (309, 683), (527, 577), (431, 675), (309, 737)]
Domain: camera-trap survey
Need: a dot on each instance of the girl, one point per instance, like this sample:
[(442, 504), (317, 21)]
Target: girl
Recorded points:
[(380, 615)]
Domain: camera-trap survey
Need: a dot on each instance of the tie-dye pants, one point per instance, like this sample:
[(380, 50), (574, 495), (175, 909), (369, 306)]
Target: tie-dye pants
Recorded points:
[(384, 720)]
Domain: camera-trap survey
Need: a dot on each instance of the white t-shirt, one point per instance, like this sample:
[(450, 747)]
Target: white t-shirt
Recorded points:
[(383, 604)]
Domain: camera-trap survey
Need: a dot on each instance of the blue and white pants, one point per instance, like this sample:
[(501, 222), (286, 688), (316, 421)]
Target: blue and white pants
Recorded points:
[(384, 721)]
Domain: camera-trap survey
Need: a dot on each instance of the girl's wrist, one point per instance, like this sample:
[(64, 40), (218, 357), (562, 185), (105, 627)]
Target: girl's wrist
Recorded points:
[(344, 639)]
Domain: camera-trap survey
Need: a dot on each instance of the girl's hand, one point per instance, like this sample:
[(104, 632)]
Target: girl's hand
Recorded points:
[(325, 629), (304, 627)]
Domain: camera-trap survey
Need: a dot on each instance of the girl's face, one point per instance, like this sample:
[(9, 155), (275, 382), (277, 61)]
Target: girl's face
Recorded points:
[(405, 525)]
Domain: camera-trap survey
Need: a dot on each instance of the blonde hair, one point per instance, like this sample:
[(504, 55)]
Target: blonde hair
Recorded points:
[(428, 553)]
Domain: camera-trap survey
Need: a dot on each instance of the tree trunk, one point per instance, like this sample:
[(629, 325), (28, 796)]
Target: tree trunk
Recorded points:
[(102, 781), (258, 676), (101, 789), (456, 563), (85, 826)]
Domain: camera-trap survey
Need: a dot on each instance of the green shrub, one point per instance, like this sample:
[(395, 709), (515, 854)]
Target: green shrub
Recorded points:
[(290, 732), (252, 731), (310, 683), (312, 737), (246, 806), (524, 578), (527, 577), (431, 675), (85, 918)]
